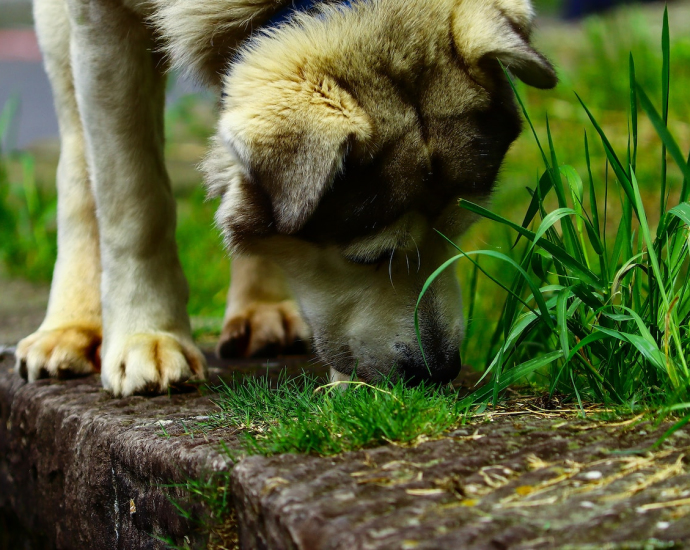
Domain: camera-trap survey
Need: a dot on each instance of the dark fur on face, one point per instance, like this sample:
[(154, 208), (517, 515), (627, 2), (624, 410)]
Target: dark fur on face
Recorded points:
[(461, 158)]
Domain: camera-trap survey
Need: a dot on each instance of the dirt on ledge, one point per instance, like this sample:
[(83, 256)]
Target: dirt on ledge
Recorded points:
[(509, 482)]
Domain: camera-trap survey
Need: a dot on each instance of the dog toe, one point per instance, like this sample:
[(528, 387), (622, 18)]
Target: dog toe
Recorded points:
[(59, 353), (151, 363)]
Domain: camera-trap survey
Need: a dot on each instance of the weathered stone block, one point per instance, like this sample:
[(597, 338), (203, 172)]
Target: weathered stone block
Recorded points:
[(80, 469), (519, 484)]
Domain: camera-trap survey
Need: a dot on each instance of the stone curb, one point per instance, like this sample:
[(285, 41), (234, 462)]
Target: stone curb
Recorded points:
[(79, 469)]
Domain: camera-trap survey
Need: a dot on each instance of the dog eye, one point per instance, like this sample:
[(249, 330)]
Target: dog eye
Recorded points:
[(384, 256)]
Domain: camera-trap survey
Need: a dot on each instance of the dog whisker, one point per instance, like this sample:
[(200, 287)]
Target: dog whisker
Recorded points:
[(390, 268), (329, 360)]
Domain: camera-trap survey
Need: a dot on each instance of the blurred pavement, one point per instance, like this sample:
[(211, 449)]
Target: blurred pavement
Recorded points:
[(22, 76)]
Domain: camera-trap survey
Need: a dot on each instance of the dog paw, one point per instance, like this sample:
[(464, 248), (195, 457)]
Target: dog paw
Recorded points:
[(60, 353), (264, 330), (150, 363)]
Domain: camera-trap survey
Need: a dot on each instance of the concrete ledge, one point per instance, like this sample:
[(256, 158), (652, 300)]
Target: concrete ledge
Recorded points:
[(80, 469)]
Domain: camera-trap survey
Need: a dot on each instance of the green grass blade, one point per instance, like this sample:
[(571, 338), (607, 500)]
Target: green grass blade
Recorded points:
[(633, 111), (587, 296), (510, 310), (485, 272), (665, 88), (666, 138), (555, 171), (685, 188), (598, 242), (543, 187), (682, 211), (538, 298), (569, 234), (577, 394), (650, 351), (8, 115), (626, 222), (562, 320), (594, 207), (673, 429), (445, 265), (622, 243), (577, 191), (557, 252), (469, 326), (526, 115), (589, 339), (641, 326), (618, 169), (550, 219), (644, 227)]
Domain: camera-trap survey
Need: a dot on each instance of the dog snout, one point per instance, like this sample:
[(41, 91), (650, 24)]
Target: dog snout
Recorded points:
[(439, 368)]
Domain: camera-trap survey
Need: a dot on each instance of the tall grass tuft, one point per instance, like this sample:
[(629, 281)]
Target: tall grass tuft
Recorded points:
[(600, 304)]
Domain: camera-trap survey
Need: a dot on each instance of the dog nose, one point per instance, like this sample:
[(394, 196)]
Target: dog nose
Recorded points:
[(439, 368)]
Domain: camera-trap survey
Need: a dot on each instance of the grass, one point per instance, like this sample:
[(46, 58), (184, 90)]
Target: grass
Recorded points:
[(593, 61), (215, 515), (599, 306), (27, 213), (302, 415), (204, 259)]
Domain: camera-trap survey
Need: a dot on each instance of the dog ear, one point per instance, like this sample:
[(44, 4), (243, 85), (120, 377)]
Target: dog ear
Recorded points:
[(486, 30), (292, 143), (295, 169)]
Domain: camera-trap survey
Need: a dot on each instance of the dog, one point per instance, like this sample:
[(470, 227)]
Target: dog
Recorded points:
[(347, 132)]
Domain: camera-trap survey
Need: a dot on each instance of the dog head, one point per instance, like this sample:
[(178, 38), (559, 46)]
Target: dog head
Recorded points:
[(344, 142)]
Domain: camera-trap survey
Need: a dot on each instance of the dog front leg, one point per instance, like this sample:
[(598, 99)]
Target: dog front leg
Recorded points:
[(147, 344), (261, 318), (67, 341)]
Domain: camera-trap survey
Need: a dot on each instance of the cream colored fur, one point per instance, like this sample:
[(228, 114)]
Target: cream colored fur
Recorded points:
[(200, 36), (291, 87), (295, 112), (363, 315), (260, 310), (69, 337)]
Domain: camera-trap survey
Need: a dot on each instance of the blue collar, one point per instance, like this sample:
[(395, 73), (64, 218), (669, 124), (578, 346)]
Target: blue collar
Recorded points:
[(284, 15)]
